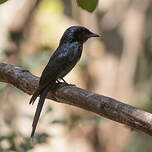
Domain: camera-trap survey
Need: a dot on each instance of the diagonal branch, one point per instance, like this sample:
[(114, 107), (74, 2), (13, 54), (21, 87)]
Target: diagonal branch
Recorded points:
[(99, 104)]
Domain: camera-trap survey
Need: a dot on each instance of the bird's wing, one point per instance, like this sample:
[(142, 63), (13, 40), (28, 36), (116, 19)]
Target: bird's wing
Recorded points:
[(57, 63)]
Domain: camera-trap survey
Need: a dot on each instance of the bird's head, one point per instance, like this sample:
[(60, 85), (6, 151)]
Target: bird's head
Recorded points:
[(77, 33)]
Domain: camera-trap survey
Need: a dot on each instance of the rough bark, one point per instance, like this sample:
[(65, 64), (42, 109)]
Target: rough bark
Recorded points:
[(72, 95)]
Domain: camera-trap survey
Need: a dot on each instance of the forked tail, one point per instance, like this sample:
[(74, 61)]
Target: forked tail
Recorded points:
[(38, 109)]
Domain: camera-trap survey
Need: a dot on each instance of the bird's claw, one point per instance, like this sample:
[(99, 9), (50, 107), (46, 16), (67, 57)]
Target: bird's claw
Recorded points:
[(63, 84), (72, 85)]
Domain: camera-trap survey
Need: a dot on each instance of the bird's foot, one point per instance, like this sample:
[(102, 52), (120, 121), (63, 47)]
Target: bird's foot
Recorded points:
[(64, 80), (61, 83), (71, 85), (64, 83)]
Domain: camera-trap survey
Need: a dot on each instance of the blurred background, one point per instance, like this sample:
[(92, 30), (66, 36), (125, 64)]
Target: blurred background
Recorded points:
[(117, 65)]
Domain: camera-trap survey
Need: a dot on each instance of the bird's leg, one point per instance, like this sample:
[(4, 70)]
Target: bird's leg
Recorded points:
[(64, 83), (60, 84), (67, 83), (58, 81), (63, 80)]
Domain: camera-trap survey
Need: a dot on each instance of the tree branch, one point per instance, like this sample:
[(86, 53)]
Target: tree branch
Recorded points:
[(99, 104)]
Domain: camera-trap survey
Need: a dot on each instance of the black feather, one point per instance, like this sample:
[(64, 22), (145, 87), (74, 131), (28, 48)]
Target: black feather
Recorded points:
[(39, 109), (61, 62)]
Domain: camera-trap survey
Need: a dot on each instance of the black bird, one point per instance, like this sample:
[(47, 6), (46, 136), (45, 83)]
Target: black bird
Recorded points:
[(61, 62)]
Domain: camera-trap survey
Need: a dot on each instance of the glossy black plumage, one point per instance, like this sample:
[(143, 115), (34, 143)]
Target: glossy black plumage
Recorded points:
[(61, 62)]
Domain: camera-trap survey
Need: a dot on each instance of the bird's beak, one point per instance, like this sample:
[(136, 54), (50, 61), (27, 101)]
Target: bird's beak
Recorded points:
[(93, 35)]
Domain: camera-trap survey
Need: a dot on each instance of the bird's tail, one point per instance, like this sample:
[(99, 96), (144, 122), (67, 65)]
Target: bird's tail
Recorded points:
[(39, 107), (35, 95)]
